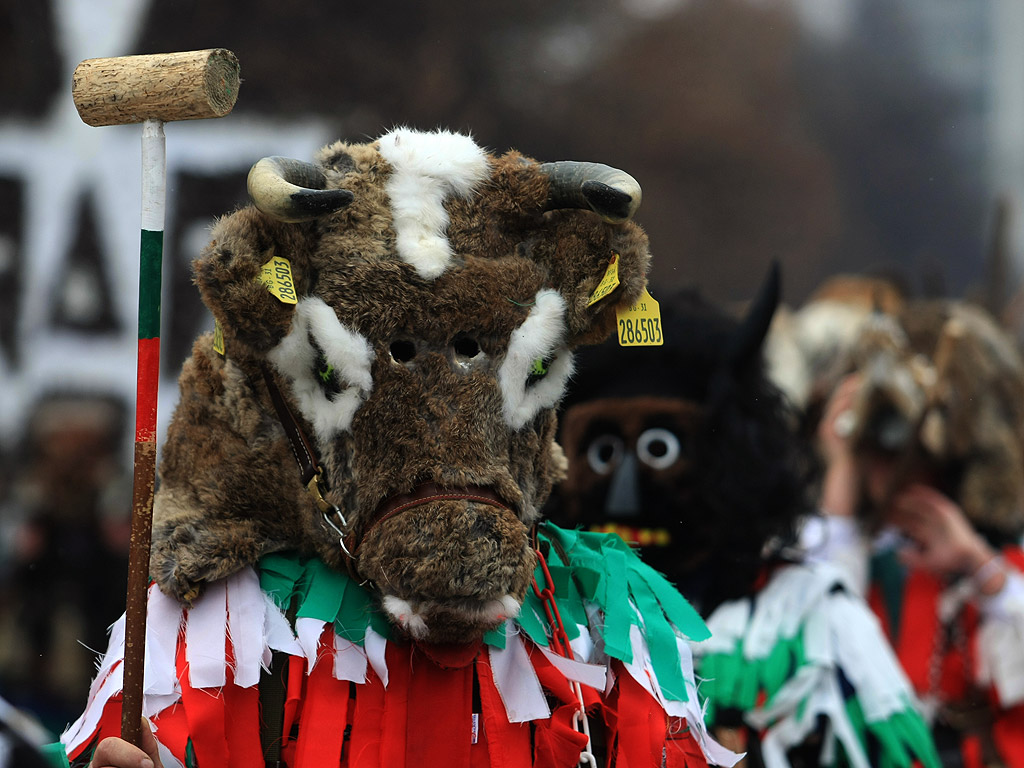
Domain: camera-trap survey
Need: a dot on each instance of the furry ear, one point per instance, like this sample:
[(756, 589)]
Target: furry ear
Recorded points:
[(227, 274), (571, 224), (601, 256), (586, 251)]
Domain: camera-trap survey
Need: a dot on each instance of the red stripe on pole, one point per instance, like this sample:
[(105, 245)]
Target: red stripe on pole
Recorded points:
[(146, 398)]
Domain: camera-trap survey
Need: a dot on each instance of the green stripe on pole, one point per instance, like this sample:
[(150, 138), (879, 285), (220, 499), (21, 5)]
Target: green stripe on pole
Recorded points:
[(151, 253)]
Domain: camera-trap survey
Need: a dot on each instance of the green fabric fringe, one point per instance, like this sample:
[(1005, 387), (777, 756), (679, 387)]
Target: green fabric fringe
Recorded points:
[(53, 754), (730, 681), (321, 593), (598, 568), (602, 569)]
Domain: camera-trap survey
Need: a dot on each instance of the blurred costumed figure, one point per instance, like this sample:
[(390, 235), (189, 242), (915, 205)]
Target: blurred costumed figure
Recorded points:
[(922, 435), (689, 452), (66, 543)]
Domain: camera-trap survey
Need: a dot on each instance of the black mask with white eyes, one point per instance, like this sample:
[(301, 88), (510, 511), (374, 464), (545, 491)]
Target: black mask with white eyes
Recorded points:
[(657, 448)]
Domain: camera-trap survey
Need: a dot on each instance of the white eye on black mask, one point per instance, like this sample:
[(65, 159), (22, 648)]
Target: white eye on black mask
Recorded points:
[(604, 453), (658, 448)]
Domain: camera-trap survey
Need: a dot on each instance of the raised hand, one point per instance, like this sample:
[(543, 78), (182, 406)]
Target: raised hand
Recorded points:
[(943, 539)]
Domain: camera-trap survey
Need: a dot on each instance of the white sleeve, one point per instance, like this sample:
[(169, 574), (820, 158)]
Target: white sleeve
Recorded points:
[(841, 542), (1001, 640)]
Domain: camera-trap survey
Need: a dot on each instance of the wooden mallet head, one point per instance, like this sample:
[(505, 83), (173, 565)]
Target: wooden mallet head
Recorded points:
[(187, 85)]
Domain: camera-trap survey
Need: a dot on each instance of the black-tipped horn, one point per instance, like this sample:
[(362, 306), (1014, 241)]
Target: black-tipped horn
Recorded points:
[(609, 192), (293, 191), (748, 337)]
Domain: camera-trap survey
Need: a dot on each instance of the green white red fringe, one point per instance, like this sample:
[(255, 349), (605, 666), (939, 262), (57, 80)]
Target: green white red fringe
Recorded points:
[(802, 648), (625, 620)]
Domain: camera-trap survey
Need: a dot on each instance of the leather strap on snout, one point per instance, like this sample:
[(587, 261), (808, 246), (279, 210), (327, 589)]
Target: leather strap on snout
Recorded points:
[(427, 493), (310, 472)]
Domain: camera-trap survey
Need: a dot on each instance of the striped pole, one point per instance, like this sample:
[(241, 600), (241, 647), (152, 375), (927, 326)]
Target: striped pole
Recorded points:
[(154, 174), (151, 89)]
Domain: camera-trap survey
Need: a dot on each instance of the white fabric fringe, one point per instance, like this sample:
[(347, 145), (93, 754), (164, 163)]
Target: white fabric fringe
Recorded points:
[(838, 631)]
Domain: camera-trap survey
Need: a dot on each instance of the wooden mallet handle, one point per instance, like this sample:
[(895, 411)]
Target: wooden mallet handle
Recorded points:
[(153, 90), (162, 86)]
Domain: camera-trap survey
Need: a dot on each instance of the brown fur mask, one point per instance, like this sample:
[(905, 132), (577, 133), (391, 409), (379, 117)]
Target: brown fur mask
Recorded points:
[(423, 304), (944, 394)]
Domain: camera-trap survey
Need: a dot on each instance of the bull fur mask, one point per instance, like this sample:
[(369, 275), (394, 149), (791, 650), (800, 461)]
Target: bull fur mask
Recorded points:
[(943, 393), (440, 292)]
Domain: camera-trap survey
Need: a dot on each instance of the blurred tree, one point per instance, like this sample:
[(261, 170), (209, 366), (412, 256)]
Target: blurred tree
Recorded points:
[(908, 165), (703, 107), (700, 104), (367, 65)]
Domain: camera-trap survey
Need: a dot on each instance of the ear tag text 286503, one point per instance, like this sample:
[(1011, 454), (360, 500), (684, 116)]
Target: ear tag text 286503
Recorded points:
[(640, 324), (276, 274), (608, 283)]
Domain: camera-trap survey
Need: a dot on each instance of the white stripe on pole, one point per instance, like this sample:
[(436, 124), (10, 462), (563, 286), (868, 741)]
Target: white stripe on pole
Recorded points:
[(154, 175)]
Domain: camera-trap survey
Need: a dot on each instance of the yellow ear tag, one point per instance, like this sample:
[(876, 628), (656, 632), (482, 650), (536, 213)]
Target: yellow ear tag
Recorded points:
[(608, 283), (277, 276), (640, 324), (218, 339)]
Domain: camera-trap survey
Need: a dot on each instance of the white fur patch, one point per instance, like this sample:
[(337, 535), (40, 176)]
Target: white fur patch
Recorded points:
[(349, 353), (539, 337), (403, 614), (505, 608), (410, 617), (426, 168)]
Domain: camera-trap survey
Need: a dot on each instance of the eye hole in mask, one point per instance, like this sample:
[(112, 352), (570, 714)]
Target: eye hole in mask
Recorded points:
[(402, 350), (466, 346), (539, 370), (324, 373), (604, 453)]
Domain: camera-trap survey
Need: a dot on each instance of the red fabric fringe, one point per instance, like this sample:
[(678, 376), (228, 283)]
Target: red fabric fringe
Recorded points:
[(640, 733), (424, 719), (325, 711)]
